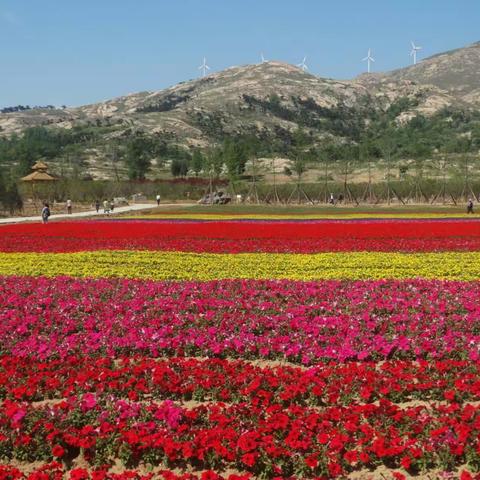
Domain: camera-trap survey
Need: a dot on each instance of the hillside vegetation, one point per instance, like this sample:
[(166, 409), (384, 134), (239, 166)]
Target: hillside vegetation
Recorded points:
[(270, 118)]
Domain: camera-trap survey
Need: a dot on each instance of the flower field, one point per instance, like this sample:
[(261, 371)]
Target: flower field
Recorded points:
[(237, 349)]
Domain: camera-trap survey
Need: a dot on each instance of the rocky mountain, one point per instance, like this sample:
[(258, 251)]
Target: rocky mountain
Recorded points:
[(456, 72), (447, 79), (234, 97), (270, 100)]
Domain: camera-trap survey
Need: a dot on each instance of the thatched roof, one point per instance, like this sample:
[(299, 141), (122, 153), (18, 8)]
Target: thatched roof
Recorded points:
[(38, 176), (40, 166)]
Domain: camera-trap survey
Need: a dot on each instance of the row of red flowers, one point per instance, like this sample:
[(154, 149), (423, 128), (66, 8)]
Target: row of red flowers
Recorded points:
[(296, 321), (231, 236), (57, 471), (236, 381), (268, 440)]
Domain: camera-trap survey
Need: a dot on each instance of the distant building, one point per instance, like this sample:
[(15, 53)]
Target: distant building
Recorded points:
[(39, 174)]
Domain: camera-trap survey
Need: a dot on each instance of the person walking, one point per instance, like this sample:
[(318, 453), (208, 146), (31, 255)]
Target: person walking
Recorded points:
[(106, 208), (112, 205), (158, 199), (470, 206), (69, 206), (97, 205), (45, 213)]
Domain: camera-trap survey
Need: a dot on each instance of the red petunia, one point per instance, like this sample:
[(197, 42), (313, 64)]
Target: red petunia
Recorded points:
[(406, 462), (249, 459), (58, 451), (311, 461)]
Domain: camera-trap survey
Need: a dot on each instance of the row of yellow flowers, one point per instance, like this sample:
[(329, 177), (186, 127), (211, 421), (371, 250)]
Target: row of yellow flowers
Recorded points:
[(207, 266), (293, 216)]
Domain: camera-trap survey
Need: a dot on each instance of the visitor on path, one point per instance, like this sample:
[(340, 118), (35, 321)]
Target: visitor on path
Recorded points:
[(332, 199), (112, 205), (158, 199), (470, 206), (45, 213), (69, 206), (97, 205), (106, 207)]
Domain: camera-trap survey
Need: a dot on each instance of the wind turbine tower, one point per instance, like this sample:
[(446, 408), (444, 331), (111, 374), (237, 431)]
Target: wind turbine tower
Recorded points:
[(368, 59), (204, 67), (303, 65), (414, 51)]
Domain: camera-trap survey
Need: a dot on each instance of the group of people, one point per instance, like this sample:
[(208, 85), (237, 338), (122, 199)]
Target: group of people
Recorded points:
[(108, 206)]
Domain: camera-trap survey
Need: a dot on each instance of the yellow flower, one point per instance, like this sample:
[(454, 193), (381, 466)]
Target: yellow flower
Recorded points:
[(210, 266)]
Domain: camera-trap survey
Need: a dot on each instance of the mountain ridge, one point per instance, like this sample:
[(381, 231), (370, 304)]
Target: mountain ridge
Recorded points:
[(269, 101)]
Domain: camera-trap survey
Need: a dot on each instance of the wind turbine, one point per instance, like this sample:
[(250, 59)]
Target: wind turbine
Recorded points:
[(414, 51), (303, 65), (263, 58), (204, 67), (368, 59)]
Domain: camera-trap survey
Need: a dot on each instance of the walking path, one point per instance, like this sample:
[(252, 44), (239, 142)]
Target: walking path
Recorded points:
[(89, 213)]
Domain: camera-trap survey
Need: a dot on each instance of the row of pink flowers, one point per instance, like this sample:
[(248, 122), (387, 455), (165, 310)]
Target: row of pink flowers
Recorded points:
[(299, 321)]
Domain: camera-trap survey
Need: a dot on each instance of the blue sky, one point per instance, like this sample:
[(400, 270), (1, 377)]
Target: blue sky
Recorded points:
[(75, 52)]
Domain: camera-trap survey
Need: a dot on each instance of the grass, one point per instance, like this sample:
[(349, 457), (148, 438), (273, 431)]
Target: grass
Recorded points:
[(289, 210)]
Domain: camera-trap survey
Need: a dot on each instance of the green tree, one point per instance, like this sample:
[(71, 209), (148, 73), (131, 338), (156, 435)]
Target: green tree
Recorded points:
[(12, 200), (298, 154), (235, 153), (198, 162), (138, 156), (179, 167), (214, 162)]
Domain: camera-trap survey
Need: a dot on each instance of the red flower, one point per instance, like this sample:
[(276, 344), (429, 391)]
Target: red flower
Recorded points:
[(248, 459), (311, 461), (406, 462), (334, 469), (210, 475), (399, 476), (58, 451), (449, 395), (79, 474), (364, 457), (465, 475)]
